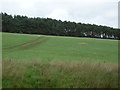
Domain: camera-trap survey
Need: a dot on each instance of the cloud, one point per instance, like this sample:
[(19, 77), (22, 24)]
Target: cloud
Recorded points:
[(60, 14), (108, 18), (85, 11)]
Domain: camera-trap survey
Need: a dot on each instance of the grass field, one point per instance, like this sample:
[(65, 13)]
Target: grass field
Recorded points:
[(57, 61)]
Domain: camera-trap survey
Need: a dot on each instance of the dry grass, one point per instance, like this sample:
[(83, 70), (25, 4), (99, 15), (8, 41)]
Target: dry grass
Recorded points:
[(54, 74), (83, 43)]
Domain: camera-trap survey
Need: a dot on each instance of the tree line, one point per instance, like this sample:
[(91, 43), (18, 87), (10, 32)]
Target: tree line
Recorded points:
[(48, 26)]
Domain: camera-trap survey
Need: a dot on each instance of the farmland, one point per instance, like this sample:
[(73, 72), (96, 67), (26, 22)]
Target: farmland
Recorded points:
[(42, 61)]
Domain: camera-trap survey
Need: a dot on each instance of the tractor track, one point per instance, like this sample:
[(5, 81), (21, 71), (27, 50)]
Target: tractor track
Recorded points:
[(37, 41)]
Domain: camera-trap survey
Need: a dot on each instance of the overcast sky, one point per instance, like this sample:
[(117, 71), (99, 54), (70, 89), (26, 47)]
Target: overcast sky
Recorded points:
[(101, 12)]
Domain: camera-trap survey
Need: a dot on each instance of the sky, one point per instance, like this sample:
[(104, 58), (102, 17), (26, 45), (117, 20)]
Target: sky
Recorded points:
[(100, 12)]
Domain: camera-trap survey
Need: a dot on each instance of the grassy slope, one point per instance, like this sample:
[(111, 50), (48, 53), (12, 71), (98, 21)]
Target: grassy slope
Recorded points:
[(25, 67), (60, 48)]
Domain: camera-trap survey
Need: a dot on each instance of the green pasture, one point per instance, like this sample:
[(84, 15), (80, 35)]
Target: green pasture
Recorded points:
[(58, 48), (41, 61)]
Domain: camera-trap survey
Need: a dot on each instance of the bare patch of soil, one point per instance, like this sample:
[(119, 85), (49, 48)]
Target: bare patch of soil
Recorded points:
[(39, 40), (83, 43)]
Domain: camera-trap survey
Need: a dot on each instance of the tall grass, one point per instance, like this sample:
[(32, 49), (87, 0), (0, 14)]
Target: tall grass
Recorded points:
[(59, 74)]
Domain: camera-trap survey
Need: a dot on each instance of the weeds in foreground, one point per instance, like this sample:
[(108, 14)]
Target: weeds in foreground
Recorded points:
[(59, 74)]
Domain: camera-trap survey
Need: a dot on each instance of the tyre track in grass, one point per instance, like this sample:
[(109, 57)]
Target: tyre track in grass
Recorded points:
[(35, 42)]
